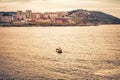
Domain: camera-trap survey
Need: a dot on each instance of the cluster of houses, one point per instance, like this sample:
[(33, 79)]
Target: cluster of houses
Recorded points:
[(30, 17)]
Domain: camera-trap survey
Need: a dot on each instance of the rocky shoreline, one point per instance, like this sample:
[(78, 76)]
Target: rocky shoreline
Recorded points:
[(50, 25)]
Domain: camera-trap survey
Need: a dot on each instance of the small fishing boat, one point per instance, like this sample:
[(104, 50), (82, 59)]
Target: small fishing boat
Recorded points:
[(59, 50)]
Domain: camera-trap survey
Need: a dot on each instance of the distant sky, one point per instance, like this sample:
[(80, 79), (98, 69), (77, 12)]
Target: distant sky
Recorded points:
[(108, 6)]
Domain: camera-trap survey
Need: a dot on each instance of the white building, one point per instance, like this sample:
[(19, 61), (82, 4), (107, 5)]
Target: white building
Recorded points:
[(36, 15), (50, 15), (7, 19), (28, 14), (21, 15)]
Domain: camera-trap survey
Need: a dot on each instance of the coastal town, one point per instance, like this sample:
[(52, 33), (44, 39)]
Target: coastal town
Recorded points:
[(78, 17), (30, 18)]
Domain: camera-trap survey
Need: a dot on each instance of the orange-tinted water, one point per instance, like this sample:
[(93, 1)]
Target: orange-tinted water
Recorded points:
[(88, 53)]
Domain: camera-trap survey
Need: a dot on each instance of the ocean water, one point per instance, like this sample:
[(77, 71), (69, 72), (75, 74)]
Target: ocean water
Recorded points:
[(89, 53)]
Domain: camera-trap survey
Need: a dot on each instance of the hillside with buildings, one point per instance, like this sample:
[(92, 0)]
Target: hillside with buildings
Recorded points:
[(84, 17), (72, 18)]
